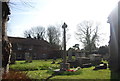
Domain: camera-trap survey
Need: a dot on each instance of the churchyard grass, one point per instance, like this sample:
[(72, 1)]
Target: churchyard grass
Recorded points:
[(39, 69), (87, 73), (35, 65)]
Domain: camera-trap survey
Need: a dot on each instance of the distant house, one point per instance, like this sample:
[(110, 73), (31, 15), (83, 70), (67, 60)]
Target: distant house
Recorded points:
[(114, 61), (38, 49)]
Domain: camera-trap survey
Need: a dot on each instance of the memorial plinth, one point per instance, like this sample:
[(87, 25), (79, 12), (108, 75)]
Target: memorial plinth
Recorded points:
[(64, 66)]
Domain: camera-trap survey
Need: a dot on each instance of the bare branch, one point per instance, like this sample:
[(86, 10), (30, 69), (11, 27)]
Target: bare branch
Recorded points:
[(87, 34), (53, 35)]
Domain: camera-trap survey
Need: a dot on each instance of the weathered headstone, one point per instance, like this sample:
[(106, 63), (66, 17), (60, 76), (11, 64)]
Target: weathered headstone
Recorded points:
[(80, 62), (106, 56), (77, 53), (28, 57), (82, 55), (70, 55), (13, 58), (95, 58), (76, 56), (83, 60)]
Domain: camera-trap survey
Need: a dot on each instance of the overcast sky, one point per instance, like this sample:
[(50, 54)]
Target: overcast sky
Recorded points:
[(55, 12)]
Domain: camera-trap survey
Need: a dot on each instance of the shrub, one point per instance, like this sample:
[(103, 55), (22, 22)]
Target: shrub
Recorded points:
[(15, 75)]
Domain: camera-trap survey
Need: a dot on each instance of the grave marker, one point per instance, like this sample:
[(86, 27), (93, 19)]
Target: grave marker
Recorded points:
[(70, 55)]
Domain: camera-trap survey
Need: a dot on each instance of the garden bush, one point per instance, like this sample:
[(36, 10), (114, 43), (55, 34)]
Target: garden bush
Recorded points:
[(15, 76)]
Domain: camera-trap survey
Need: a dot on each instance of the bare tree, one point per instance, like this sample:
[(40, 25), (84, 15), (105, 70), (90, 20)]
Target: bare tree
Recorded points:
[(53, 35), (87, 33), (6, 45), (36, 32), (27, 33)]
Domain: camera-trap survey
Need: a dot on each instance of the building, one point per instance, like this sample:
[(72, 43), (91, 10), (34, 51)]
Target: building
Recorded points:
[(37, 49), (114, 43)]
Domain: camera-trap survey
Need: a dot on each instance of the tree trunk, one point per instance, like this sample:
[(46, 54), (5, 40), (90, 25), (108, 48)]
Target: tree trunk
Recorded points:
[(6, 46)]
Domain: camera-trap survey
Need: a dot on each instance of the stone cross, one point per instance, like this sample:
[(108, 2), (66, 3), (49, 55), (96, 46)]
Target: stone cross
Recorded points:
[(64, 66)]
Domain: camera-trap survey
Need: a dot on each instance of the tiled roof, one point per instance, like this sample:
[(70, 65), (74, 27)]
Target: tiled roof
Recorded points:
[(27, 41)]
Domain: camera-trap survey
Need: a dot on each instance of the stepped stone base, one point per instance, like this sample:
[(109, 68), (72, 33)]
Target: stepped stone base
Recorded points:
[(64, 66)]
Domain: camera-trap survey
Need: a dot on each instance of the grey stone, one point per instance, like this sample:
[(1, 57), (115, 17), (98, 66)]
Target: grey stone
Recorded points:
[(70, 55)]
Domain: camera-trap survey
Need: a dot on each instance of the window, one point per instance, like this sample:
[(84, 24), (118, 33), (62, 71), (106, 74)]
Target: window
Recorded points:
[(34, 55), (27, 54), (30, 48), (19, 56), (19, 48)]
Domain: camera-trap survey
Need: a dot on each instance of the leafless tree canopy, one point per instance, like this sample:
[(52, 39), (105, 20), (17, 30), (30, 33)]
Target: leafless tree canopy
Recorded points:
[(6, 45), (53, 35), (35, 32), (88, 34)]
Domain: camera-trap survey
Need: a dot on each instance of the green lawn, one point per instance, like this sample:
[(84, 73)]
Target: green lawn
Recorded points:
[(88, 73), (35, 65), (38, 69)]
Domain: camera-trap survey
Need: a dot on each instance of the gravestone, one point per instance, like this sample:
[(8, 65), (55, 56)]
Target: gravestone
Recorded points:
[(106, 56), (80, 62), (13, 58), (77, 55), (82, 55), (70, 55), (28, 57), (83, 60), (95, 58)]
